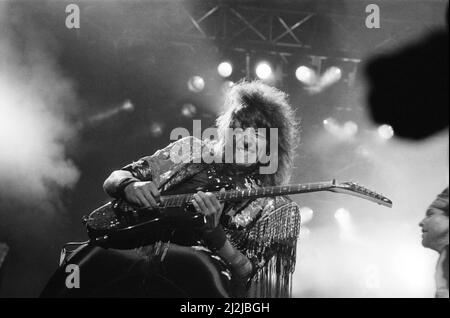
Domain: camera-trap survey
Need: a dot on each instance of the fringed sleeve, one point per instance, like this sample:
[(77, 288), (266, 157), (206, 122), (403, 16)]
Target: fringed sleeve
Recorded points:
[(270, 241)]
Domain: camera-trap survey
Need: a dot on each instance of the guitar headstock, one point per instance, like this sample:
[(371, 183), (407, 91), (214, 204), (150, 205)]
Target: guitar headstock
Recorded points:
[(355, 189)]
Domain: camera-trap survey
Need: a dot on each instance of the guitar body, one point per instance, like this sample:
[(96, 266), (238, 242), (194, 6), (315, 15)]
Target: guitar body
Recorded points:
[(119, 225)]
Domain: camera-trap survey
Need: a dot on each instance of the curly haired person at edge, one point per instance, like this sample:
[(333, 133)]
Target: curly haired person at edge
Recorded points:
[(435, 236), (237, 232)]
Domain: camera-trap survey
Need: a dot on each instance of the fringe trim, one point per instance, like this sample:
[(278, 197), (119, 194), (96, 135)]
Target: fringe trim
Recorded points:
[(272, 242)]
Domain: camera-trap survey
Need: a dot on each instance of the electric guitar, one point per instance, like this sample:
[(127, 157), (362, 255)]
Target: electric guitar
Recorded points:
[(118, 224)]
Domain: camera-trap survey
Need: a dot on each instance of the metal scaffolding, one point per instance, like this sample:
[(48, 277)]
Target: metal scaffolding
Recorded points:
[(317, 30), (287, 28)]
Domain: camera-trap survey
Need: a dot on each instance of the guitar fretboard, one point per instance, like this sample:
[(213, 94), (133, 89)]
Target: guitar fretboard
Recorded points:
[(178, 200)]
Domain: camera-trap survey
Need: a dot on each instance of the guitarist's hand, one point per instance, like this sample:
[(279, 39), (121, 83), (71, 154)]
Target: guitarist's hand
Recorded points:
[(208, 205), (142, 193)]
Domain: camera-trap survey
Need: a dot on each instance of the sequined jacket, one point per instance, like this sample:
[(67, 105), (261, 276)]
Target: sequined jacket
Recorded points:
[(265, 229)]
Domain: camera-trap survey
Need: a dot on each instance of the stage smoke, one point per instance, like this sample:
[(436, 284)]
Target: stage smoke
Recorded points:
[(35, 102)]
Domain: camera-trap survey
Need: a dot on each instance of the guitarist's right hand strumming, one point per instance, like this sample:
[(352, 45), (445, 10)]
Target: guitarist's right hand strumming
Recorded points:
[(142, 193)]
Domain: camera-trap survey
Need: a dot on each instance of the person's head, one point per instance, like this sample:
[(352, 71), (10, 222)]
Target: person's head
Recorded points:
[(435, 225), (256, 107)]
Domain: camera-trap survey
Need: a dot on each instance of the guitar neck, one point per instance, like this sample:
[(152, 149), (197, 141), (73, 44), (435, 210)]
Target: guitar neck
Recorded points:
[(179, 200)]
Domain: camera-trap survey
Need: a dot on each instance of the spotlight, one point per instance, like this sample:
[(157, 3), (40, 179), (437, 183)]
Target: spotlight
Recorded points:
[(385, 132), (343, 132), (156, 129), (327, 122), (128, 106), (335, 71), (306, 75), (306, 214), (188, 110), (263, 70), (225, 69), (344, 222), (331, 76), (196, 84), (342, 215)]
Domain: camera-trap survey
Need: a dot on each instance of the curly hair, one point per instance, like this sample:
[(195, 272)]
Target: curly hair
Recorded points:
[(443, 201), (258, 105)]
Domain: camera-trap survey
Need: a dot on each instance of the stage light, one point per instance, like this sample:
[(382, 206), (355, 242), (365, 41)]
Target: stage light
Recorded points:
[(327, 121), (344, 221), (330, 125), (263, 70), (156, 129), (331, 76), (343, 132), (196, 84), (225, 69), (306, 214), (335, 71), (342, 215), (385, 132), (128, 106), (188, 110), (306, 75)]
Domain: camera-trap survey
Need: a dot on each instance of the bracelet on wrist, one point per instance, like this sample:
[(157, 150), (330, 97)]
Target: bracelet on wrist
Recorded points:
[(215, 238)]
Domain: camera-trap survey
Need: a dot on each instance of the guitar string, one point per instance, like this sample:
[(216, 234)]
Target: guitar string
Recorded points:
[(180, 199)]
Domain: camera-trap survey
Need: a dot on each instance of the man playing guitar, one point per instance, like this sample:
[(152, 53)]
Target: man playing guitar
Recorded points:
[(175, 229), (230, 230)]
